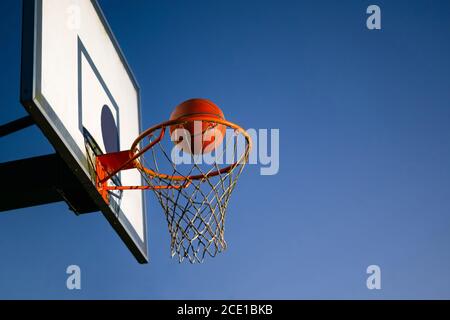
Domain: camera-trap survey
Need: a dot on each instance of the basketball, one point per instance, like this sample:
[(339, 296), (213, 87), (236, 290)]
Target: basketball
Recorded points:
[(205, 136)]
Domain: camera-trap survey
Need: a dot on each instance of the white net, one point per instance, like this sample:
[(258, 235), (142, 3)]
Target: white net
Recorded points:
[(195, 202)]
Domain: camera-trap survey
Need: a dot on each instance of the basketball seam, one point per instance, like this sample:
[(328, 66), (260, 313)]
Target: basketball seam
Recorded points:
[(200, 113)]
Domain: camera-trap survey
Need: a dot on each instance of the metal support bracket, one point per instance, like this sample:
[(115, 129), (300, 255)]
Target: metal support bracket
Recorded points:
[(16, 125), (41, 180)]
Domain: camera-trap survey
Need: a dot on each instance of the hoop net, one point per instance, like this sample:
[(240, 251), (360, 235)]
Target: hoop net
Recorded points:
[(194, 193)]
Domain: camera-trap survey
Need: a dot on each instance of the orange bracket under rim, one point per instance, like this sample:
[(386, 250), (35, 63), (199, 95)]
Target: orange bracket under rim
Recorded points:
[(117, 161)]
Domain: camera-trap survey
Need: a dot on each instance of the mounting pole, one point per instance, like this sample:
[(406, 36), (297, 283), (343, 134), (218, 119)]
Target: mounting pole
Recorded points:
[(41, 180), (16, 125)]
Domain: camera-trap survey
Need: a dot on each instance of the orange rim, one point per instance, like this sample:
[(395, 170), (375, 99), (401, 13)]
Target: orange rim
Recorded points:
[(139, 152)]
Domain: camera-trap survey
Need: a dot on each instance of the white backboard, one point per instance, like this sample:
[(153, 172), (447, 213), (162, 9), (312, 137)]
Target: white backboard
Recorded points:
[(81, 92)]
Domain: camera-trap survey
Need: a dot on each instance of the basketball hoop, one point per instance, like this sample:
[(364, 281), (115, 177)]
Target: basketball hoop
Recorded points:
[(194, 194)]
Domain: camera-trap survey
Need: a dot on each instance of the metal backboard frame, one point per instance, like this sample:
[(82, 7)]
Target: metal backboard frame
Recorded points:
[(39, 108)]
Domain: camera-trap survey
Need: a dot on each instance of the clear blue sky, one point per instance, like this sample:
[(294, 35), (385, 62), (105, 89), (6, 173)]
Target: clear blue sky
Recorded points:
[(364, 157)]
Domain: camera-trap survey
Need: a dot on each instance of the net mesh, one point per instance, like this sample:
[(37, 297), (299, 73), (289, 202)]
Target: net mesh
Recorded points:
[(195, 210)]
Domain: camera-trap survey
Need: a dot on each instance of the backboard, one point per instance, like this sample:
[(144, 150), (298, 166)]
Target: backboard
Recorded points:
[(79, 89)]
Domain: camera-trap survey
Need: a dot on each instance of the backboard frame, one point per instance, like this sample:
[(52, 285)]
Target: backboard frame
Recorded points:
[(37, 106)]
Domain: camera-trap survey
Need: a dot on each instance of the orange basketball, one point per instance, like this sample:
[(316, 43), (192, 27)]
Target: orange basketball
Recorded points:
[(205, 136)]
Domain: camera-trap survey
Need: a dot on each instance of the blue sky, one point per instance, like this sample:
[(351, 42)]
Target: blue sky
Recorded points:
[(364, 153)]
